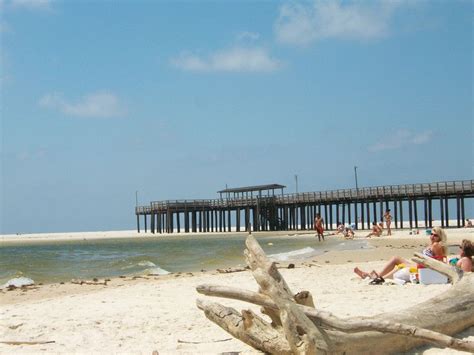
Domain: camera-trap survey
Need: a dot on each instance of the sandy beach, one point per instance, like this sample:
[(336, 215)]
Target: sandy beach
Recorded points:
[(142, 314)]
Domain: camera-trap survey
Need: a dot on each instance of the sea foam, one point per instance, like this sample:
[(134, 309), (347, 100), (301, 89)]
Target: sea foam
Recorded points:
[(19, 282), (298, 253)]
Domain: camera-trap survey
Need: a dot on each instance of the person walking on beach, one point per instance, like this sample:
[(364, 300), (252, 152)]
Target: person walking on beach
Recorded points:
[(388, 221), (318, 225)]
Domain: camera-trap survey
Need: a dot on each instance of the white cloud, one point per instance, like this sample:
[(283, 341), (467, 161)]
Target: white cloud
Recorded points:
[(247, 36), (100, 105), (31, 4), (302, 24), (402, 138), (237, 59)]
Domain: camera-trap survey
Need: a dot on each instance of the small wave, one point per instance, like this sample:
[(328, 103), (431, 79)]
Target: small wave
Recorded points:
[(146, 263), (19, 282), (156, 271), (294, 253)]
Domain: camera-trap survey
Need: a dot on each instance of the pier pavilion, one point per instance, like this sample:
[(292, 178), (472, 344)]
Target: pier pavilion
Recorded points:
[(259, 208)]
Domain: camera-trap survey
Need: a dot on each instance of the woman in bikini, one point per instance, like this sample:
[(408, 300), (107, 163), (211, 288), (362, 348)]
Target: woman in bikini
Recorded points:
[(437, 250), (388, 221)]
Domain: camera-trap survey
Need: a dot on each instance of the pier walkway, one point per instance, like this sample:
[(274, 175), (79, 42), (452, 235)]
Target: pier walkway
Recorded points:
[(239, 209)]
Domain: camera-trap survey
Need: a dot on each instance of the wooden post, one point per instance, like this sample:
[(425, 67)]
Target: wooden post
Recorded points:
[(415, 210), (171, 222), (303, 217), (367, 205), (395, 213), (343, 205), (441, 208), (224, 220), (152, 223), (446, 200), (349, 215), (430, 212), (186, 221), (356, 216), (194, 221), (330, 217), (425, 205), (326, 216), (145, 221), (458, 210), (247, 219), (178, 221), (375, 211), (237, 219), (381, 210), (229, 223), (401, 213), (463, 212), (362, 214), (337, 213), (138, 223)]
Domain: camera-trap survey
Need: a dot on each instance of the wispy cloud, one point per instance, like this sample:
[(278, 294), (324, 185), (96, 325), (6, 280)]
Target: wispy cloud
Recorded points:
[(236, 59), (402, 138), (247, 36), (30, 4), (303, 23), (101, 104)]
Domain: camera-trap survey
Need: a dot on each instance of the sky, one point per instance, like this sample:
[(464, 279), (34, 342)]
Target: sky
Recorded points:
[(106, 101)]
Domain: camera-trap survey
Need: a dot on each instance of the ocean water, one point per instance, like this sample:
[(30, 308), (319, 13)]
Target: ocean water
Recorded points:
[(85, 259)]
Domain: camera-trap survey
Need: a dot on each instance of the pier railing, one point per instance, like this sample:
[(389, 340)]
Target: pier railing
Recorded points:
[(445, 188)]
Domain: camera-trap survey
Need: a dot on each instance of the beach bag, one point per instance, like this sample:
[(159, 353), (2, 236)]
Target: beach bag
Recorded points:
[(402, 274)]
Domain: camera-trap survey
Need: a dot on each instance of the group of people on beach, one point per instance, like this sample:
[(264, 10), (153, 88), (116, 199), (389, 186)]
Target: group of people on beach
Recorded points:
[(437, 249), (348, 230)]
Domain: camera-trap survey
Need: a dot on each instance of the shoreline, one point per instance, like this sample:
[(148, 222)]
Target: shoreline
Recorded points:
[(147, 313), (105, 235)]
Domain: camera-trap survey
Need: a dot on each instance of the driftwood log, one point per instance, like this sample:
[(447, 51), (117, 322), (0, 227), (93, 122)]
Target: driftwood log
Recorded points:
[(453, 274), (298, 327)]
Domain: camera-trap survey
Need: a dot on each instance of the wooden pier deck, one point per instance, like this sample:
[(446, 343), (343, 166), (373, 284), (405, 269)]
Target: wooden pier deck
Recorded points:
[(296, 211)]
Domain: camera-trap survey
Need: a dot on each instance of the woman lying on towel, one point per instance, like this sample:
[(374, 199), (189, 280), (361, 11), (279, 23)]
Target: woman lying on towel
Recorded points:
[(437, 250)]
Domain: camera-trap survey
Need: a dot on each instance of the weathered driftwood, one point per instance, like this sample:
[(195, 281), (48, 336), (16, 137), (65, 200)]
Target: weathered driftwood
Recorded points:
[(27, 342), (84, 282), (443, 268), (449, 313), (331, 321)]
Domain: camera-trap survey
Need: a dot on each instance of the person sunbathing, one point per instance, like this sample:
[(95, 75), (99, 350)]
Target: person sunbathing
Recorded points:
[(468, 223), (437, 250), (348, 233), (376, 230), (340, 228), (464, 261)]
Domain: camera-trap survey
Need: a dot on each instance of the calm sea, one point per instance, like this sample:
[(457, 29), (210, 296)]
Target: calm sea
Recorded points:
[(85, 259)]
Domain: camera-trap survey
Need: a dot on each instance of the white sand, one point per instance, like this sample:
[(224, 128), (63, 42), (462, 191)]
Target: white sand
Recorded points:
[(157, 313)]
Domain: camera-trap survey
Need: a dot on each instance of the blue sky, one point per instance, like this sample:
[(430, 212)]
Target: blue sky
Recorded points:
[(100, 99)]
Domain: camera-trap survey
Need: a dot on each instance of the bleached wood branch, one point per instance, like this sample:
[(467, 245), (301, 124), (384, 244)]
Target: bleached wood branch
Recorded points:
[(348, 325), (439, 266)]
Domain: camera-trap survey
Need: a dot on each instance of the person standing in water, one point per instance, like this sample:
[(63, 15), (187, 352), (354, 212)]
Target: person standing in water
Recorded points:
[(318, 225), (388, 221)]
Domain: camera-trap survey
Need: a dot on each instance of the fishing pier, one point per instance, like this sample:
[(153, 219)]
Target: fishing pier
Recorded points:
[(267, 208)]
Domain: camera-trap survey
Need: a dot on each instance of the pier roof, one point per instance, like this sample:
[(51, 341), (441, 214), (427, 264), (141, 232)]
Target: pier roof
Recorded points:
[(253, 188)]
